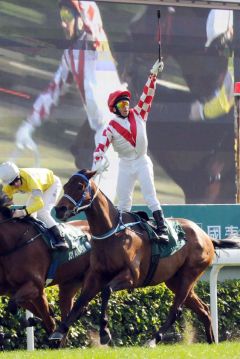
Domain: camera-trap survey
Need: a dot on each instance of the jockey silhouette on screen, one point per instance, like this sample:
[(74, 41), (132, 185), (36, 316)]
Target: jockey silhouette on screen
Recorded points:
[(219, 31), (89, 63)]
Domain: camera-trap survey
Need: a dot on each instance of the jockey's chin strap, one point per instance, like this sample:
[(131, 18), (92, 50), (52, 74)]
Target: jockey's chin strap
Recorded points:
[(119, 227), (78, 207)]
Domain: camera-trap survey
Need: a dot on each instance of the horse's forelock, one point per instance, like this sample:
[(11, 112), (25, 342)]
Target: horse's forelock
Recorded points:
[(87, 173)]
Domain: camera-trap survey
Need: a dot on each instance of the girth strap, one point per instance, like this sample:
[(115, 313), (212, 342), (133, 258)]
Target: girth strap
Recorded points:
[(117, 229)]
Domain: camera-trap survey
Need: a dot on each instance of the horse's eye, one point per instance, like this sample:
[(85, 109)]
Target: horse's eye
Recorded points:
[(80, 186)]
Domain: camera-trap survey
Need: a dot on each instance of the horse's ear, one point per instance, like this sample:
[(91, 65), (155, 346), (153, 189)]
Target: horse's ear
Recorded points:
[(89, 174)]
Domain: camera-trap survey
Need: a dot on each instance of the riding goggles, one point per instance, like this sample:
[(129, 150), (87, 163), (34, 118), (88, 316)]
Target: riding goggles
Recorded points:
[(14, 181), (66, 15), (122, 104)]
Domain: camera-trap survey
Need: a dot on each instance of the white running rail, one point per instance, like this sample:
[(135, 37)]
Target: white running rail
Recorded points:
[(223, 257)]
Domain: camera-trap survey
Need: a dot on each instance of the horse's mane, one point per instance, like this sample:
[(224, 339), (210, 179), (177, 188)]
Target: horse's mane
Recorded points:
[(5, 211)]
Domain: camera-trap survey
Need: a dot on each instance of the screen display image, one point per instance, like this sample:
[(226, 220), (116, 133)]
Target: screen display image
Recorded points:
[(55, 82)]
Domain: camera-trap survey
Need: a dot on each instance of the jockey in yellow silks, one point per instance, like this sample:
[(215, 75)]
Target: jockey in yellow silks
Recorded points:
[(219, 31), (44, 187)]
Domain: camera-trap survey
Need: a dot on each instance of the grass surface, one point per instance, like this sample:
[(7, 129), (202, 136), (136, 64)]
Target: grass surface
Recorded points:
[(201, 351)]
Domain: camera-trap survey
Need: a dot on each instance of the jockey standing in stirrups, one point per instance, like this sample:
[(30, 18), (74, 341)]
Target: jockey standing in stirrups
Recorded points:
[(127, 133), (45, 189), (89, 63)]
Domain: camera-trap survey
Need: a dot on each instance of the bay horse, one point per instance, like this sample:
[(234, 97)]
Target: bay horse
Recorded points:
[(25, 259), (121, 255)]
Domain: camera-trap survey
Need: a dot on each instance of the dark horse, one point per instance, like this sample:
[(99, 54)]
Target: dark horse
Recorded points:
[(121, 255), (24, 262)]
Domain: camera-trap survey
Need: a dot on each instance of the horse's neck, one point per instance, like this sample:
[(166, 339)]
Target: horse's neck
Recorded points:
[(102, 215), (11, 234)]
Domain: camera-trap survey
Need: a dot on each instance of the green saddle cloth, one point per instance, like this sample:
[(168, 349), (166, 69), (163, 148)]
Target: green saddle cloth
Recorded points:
[(176, 237), (78, 245)]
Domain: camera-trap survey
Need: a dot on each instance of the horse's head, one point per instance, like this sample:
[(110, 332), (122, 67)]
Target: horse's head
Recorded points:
[(78, 194)]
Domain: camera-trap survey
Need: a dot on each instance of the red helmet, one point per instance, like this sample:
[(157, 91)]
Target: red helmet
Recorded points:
[(114, 97)]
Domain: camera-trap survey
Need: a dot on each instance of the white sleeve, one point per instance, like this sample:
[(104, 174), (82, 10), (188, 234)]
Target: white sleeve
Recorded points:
[(45, 101)]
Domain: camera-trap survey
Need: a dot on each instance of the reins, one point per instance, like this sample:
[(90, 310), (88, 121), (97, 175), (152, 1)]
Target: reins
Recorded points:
[(19, 246), (78, 207)]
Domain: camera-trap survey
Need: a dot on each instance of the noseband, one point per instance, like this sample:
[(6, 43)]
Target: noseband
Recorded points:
[(88, 190)]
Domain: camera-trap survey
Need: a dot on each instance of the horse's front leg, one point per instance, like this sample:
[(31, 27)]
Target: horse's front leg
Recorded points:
[(123, 280), (93, 284), (105, 335)]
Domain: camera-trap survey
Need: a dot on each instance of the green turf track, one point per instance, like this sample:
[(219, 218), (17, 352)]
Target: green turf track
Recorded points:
[(224, 350)]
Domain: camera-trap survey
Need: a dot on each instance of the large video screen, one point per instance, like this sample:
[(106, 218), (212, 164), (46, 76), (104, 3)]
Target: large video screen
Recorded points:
[(54, 89)]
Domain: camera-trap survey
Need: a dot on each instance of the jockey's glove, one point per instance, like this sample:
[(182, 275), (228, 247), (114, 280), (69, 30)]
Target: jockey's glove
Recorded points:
[(100, 165), (19, 213), (196, 111), (157, 67), (24, 136)]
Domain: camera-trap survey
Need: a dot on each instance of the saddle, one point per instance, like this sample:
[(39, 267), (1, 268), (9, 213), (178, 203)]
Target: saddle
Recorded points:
[(150, 226), (77, 241), (159, 250)]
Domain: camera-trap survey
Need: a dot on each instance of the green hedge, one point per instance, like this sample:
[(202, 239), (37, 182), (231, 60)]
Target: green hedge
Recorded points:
[(133, 318)]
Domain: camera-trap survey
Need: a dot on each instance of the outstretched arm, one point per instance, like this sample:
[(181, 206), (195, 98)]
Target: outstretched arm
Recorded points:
[(43, 105), (144, 104)]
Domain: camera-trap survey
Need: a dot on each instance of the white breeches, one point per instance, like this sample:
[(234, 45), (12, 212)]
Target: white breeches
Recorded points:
[(50, 198), (140, 169), (108, 179)]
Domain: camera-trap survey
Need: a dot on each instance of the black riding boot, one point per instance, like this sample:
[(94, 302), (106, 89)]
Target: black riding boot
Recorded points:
[(161, 231), (60, 243)]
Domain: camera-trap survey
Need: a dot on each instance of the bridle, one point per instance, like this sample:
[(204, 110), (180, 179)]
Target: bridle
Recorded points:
[(78, 207)]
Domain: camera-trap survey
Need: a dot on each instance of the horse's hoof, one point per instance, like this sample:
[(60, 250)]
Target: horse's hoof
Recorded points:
[(159, 337), (56, 336), (12, 307), (105, 338), (151, 343)]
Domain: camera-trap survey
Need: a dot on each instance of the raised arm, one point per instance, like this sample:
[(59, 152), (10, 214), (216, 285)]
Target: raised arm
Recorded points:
[(102, 147), (144, 104)]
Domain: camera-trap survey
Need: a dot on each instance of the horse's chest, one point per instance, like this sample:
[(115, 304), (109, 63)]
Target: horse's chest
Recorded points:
[(105, 263)]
